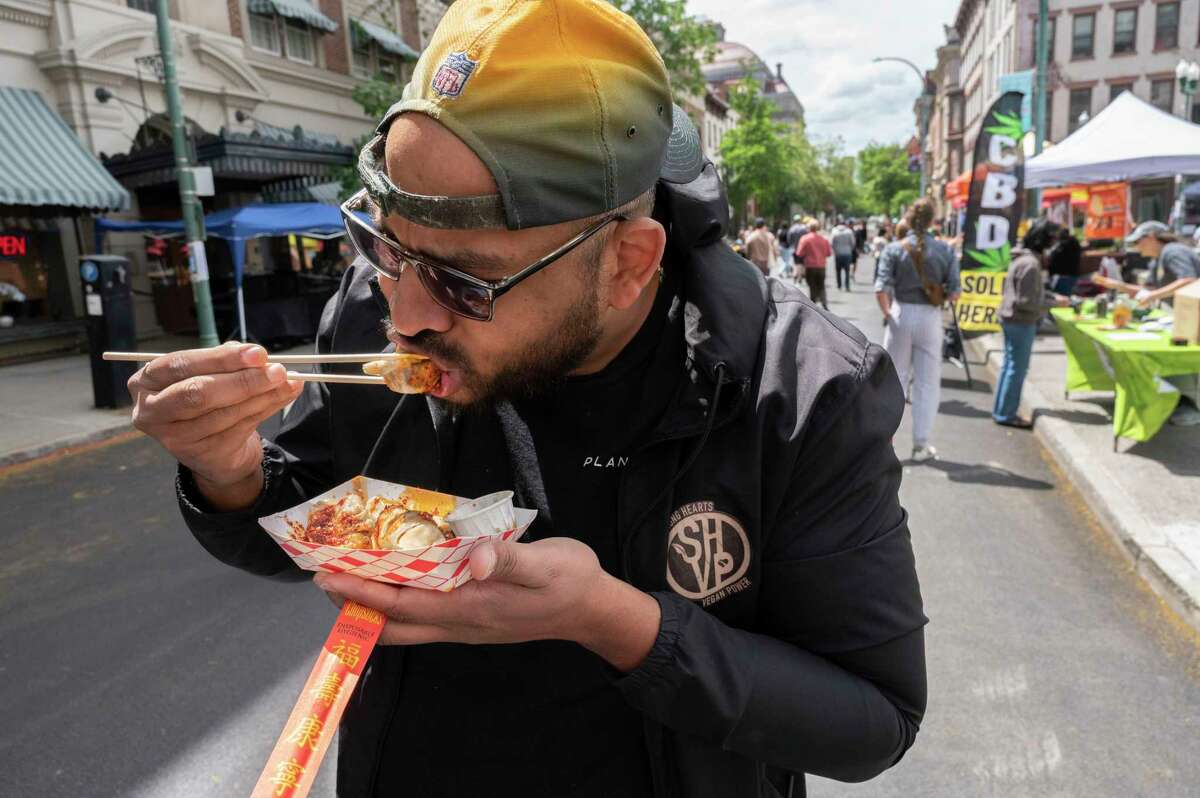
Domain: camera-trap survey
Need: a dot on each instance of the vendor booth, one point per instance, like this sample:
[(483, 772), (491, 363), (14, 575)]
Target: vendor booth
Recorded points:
[(1132, 363), (1128, 140), (293, 313), (1129, 160)]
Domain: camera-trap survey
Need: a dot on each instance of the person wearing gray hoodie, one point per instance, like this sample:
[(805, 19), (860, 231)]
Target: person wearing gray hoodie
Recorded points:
[(1024, 300)]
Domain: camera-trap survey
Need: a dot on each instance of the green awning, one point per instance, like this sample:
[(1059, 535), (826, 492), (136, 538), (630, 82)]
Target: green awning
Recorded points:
[(387, 40), (294, 9), (42, 162)]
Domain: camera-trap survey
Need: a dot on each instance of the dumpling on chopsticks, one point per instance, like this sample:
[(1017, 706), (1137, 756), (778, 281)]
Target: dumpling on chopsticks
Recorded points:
[(405, 373)]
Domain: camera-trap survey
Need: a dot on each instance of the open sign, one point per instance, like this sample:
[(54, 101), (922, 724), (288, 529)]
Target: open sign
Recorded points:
[(14, 245)]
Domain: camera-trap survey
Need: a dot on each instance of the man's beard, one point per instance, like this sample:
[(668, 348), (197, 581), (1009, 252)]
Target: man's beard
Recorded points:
[(530, 373)]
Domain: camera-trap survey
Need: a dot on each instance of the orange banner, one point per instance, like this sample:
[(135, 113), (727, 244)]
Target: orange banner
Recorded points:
[(1107, 211), (309, 731)]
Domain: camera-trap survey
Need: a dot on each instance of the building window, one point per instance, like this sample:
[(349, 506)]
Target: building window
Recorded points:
[(1083, 35), (1051, 30), (300, 45), (264, 33), (1125, 31), (1079, 106), (1196, 113), (1162, 94), (369, 60), (1115, 90), (1166, 26), (290, 38), (142, 5), (360, 53)]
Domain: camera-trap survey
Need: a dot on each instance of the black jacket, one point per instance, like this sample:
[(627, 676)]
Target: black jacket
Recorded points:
[(762, 514)]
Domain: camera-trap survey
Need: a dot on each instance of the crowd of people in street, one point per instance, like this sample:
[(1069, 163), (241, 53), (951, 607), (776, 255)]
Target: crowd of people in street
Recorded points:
[(916, 278)]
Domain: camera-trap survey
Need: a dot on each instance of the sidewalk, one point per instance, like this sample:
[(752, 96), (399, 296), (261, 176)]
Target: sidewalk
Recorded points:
[(1145, 494), (47, 405)]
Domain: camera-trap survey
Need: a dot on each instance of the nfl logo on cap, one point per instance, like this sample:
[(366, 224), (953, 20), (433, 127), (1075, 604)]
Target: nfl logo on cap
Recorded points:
[(452, 75)]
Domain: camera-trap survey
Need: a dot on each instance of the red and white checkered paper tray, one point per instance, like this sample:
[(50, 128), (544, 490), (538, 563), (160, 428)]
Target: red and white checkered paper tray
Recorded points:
[(442, 566)]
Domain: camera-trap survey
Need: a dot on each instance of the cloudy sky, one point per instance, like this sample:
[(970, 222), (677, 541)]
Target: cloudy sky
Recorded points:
[(826, 47)]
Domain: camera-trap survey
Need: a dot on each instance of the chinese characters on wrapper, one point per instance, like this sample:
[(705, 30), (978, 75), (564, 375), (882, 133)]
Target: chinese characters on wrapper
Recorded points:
[(309, 730)]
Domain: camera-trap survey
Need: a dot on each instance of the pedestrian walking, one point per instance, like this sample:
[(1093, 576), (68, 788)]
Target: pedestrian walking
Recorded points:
[(689, 616), (796, 232), (1024, 301), (759, 244), (845, 252), (917, 274), (813, 251)]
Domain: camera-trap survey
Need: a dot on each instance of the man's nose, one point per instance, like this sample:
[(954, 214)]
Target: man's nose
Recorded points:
[(412, 308)]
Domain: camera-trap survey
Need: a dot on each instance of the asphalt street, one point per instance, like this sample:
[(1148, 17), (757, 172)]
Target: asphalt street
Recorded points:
[(1053, 671), (133, 664)]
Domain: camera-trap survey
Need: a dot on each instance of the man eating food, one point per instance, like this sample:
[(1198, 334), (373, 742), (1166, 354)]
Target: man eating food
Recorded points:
[(719, 593)]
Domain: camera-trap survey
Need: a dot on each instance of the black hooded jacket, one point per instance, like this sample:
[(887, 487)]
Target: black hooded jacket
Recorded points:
[(762, 514)]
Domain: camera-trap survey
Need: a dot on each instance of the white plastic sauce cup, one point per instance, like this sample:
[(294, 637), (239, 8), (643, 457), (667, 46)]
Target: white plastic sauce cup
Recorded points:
[(487, 515)]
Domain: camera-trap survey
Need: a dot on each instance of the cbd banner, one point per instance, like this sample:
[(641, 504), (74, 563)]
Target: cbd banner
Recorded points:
[(993, 213)]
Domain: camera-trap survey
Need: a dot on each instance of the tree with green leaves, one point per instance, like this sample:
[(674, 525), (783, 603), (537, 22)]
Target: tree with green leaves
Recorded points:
[(760, 158), (886, 182), (684, 41)]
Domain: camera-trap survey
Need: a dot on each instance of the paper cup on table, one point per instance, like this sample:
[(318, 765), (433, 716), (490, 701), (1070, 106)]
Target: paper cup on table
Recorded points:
[(487, 515), (441, 566)]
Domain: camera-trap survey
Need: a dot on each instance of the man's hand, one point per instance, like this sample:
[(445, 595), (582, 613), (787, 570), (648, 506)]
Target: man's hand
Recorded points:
[(204, 407), (553, 589), (1062, 301)]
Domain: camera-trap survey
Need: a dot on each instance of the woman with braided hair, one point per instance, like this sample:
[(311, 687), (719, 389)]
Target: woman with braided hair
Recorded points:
[(915, 277)]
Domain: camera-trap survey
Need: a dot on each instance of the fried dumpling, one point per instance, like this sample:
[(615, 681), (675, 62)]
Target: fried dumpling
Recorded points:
[(405, 373)]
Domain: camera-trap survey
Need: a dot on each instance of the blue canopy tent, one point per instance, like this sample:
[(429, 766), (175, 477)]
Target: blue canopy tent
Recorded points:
[(237, 225)]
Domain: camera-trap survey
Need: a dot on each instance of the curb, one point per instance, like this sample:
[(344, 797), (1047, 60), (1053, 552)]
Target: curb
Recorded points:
[(1160, 564), (61, 444)]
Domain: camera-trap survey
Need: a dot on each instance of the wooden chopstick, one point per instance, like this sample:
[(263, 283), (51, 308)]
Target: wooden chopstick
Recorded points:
[(349, 379), (299, 376), (141, 357)]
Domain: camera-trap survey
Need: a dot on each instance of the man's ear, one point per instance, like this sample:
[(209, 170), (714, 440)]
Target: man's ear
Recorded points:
[(638, 245)]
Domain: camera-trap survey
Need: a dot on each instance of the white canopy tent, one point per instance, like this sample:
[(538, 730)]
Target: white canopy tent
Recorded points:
[(1128, 140)]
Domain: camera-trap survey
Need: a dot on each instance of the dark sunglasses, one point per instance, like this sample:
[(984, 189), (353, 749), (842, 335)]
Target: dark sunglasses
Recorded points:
[(455, 290)]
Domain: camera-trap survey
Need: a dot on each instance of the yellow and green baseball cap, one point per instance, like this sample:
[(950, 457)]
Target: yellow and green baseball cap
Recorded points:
[(567, 102)]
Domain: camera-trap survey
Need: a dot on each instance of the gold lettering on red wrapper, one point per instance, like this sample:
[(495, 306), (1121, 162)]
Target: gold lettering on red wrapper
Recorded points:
[(347, 653), (287, 776), (327, 691), (309, 730), (307, 733)]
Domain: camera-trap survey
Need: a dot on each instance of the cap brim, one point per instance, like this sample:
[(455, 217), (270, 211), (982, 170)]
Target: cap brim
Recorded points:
[(684, 158)]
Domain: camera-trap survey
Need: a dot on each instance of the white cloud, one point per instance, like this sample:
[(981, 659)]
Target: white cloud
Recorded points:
[(826, 47)]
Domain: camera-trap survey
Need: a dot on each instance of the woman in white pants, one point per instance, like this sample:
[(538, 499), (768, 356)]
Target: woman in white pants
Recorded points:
[(916, 275)]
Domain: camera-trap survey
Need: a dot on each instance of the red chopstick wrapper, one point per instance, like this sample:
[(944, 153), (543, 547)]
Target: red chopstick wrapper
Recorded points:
[(292, 766)]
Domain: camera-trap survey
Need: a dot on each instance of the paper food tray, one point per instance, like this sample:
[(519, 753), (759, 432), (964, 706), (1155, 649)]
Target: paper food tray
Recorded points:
[(442, 566)]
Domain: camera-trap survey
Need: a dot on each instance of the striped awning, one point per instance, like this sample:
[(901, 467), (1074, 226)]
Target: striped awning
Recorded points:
[(387, 40), (42, 163), (294, 9)]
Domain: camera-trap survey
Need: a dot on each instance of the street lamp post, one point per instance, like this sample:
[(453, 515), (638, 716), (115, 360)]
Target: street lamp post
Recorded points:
[(1188, 73), (926, 108)]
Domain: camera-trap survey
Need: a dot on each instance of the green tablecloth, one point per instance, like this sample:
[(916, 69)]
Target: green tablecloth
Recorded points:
[(1113, 360)]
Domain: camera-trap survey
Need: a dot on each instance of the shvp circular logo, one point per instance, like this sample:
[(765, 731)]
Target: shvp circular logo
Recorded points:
[(708, 553)]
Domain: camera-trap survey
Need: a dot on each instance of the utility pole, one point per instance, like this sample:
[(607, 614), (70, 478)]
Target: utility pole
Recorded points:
[(1040, 133), (193, 211)]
